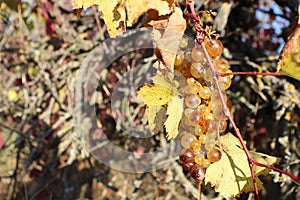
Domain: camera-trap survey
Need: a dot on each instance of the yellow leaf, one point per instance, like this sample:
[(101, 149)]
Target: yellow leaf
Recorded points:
[(113, 13), (162, 92), (155, 95), (136, 8), (159, 93), (156, 116), (77, 4), (231, 175), (174, 112), (161, 80), (167, 43), (118, 14), (289, 60)]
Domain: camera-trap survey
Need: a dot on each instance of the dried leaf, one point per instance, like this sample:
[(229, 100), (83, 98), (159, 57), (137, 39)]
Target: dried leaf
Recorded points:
[(114, 12), (174, 112), (136, 8), (231, 175), (167, 43)]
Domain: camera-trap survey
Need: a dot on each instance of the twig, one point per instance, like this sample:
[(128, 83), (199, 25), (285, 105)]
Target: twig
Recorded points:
[(98, 23), (250, 73)]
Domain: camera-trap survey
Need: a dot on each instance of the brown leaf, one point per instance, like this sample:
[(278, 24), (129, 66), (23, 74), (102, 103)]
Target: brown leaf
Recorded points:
[(167, 43)]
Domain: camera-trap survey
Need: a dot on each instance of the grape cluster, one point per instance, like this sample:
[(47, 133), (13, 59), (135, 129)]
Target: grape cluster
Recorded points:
[(203, 119)]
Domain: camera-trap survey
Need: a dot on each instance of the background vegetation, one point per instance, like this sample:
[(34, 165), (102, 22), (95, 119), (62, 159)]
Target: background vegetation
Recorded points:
[(42, 44)]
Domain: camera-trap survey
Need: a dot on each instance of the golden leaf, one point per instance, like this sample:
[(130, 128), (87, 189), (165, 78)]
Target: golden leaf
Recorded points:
[(114, 12), (136, 8), (289, 60), (231, 175), (163, 92), (155, 95), (174, 112)]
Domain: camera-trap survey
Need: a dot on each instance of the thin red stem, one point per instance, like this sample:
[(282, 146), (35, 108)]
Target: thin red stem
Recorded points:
[(251, 73)]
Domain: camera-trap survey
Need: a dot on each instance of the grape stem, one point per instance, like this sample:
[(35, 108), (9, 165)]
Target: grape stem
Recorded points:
[(200, 35), (251, 73)]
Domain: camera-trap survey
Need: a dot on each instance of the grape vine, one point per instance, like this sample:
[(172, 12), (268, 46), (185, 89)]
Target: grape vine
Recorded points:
[(206, 106)]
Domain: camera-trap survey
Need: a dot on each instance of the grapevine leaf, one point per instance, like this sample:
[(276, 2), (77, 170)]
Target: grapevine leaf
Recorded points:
[(163, 92), (289, 60), (134, 11), (231, 175), (167, 43), (155, 95), (156, 116), (174, 112), (161, 80), (118, 14)]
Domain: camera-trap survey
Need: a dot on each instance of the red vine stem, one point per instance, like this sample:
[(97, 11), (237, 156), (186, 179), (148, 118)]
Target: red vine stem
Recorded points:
[(200, 38), (251, 73)]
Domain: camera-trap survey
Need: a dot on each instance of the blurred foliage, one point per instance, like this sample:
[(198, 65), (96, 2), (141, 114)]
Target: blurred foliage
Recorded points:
[(42, 44)]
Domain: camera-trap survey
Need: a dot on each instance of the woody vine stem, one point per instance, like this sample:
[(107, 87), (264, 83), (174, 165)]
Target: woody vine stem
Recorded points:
[(200, 35)]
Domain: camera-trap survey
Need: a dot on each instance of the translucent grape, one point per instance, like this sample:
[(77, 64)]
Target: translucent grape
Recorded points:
[(196, 69), (215, 95), (224, 82), (199, 131), (204, 110), (183, 43), (198, 172), (223, 126), (207, 76), (187, 89), (188, 57), (193, 85), (196, 145), (204, 92), (192, 101), (198, 159), (213, 125), (187, 139), (211, 135), (221, 65), (206, 163), (203, 138), (215, 105), (214, 155), (194, 118), (198, 55), (179, 58), (214, 47), (184, 68), (188, 111), (209, 144)]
